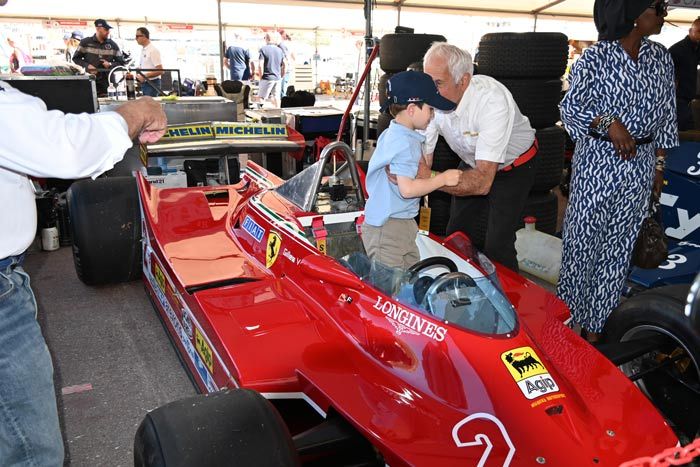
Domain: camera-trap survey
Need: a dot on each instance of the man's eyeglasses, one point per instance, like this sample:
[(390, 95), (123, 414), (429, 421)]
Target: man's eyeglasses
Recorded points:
[(660, 7)]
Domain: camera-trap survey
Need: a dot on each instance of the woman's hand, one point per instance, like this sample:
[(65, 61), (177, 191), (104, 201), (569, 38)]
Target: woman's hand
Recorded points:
[(622, 140)]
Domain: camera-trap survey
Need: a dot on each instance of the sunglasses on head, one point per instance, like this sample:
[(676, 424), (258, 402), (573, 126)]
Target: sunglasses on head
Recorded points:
[(661, 7)]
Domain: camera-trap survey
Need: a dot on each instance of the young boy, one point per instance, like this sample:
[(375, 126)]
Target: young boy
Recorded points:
[(389, 232)]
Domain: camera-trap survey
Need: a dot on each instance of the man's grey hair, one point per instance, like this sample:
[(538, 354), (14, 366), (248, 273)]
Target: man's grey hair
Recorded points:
[(459, 62)]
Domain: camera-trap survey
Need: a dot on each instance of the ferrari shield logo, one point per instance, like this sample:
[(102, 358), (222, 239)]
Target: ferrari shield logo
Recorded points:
[(274, 241)]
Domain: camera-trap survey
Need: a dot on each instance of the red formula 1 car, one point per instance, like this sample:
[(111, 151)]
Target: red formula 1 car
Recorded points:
[(329, 358)]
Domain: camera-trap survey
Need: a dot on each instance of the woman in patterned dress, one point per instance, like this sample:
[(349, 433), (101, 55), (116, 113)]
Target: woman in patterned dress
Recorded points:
[(620, 111)]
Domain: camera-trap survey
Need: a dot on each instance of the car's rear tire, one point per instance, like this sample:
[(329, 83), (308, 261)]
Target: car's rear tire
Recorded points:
[(106, 227), (229, 428), (659, 313)]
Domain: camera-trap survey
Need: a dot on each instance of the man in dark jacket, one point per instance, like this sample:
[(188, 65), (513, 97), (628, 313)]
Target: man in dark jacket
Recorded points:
[(98, 54), (686, 56)]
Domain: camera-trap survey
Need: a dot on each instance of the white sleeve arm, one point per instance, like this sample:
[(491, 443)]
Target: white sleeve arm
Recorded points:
[(45, 143)]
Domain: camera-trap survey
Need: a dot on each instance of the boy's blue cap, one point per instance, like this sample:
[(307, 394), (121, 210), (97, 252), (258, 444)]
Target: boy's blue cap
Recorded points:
[(101, 23), (77, 35), (410, 87)]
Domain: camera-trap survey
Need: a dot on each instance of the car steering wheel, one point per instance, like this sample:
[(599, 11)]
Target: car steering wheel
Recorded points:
[(457, 277), (430, 262)]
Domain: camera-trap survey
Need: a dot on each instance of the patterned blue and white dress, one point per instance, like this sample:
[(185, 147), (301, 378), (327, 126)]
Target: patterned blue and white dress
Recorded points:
[(609, 196)]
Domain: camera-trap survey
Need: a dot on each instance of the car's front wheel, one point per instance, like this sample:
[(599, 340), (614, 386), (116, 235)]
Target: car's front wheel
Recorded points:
[(670, 373), (230, 428)]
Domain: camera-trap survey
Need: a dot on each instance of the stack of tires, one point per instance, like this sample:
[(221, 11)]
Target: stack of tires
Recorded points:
[(530, 65), (399, 52)]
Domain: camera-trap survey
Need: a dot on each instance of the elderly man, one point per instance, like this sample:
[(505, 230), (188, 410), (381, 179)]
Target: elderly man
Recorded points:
[(496, 144), (98, 54)]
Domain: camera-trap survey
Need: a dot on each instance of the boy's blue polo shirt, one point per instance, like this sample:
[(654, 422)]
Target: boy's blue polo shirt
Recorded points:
[(401, 149)]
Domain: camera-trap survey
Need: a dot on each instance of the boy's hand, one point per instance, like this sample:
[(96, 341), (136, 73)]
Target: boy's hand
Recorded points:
[(451, 177)]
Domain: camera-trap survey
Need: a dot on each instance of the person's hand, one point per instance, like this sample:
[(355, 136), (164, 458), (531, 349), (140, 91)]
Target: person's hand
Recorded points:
[(622, 140), (145, 118), (91, 69), (658, 182), (140, 78), (105, 63), (390, 176), (450, 177)]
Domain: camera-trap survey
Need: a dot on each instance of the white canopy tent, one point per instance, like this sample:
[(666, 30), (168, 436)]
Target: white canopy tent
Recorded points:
[(305, 14)]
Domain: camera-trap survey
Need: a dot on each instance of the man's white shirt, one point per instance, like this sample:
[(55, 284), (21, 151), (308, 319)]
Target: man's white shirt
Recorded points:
[(486, 125), (150, 57), (47, 144)]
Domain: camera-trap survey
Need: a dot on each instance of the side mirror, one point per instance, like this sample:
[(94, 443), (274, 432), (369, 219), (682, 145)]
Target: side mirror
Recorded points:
[(327, 269), (692, 306)]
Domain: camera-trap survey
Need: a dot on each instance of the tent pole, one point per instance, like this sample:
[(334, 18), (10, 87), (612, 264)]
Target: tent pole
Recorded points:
[(534, 27), (221, 44), (369, 43)]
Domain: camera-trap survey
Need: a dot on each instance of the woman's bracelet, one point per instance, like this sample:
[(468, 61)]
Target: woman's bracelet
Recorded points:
[(604, 123)]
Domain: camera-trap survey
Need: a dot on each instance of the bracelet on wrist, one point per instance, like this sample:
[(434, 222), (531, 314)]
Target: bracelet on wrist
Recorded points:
[(604, 123), (433, 173)]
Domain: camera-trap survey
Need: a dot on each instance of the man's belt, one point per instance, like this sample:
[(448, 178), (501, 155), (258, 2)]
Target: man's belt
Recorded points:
[(522, 158), (641, 140)]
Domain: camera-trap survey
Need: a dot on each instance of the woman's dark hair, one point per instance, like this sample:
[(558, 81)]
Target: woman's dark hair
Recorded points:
[(394, 109), (145, 32)]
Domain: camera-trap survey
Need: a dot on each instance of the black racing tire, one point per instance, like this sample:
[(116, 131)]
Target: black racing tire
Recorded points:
[(537, 99), (106, 226), (398, 51), (543, 207), (230, 428), (383, 121), (549, 162), (659, 313), (381, 87), (523, 54)]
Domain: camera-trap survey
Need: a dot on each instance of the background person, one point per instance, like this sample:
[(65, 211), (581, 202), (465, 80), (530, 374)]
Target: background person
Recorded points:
[(620, 111), (150, 59), (98, 54), (686, 56), (72, 45), (389, 231), (237, 60), (18, 57), (496, 144), (272, 67), (289, 59), (43, 143)]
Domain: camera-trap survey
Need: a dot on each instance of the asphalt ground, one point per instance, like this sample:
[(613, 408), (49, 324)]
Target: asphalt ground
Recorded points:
[(113, 360)]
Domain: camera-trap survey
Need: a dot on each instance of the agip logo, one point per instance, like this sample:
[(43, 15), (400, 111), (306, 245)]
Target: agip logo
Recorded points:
[(529, 373)]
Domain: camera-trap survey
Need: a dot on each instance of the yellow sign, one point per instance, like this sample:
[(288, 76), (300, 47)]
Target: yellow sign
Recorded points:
[(523, 363), (224, 130), (159, 276), (249, 130), (198, 131), (274, 241), (204, 350)]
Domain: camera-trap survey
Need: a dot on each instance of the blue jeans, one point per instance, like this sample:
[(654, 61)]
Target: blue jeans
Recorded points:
[(29, 431), (149, 90)]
